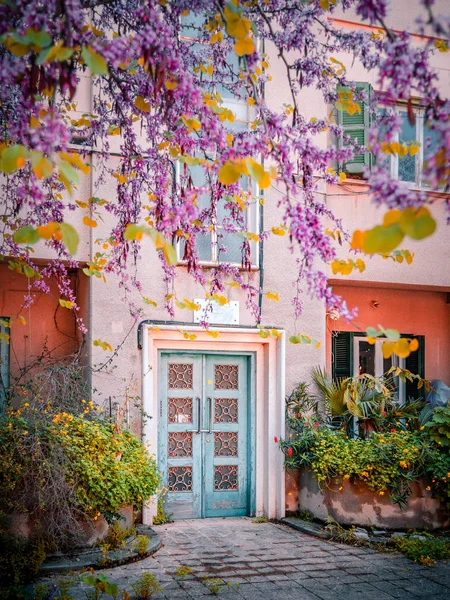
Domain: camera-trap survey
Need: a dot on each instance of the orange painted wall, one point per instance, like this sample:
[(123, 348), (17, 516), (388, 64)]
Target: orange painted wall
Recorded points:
[(47, 323), (417, 312)]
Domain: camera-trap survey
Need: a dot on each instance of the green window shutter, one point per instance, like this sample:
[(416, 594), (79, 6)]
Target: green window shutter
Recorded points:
[(4, 361), (415, 363), (357, 126), (342, 359)]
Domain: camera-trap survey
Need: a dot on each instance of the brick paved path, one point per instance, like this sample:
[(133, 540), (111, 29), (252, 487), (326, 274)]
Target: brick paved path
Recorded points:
[(274, 562)]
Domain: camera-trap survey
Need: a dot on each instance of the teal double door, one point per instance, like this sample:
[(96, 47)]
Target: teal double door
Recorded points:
[(203, 434)]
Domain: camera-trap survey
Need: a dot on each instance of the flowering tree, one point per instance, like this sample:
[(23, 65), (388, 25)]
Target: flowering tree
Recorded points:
[(161, 70)]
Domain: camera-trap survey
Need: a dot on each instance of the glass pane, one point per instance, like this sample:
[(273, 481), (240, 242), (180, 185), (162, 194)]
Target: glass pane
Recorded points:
[(366, 358), (407, 164), (233, 65), (232, 242), (203, 244), (430, 140)]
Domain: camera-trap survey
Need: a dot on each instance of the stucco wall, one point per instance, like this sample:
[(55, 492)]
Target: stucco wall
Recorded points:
[(48, 325)]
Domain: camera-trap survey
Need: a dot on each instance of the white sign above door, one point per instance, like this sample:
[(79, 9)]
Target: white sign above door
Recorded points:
[(217, 314)]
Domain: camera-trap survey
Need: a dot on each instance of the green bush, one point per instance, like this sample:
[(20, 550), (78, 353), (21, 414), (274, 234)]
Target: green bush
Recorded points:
[(426, 552), (20, 560), (60, 468), (438, 426)]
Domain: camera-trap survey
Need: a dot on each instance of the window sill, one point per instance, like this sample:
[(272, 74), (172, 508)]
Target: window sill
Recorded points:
[(213, 265)]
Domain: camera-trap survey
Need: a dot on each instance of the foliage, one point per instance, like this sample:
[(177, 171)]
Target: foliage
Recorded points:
[(371, 399), (214, 584), (141, 544), (149, 76), (261, 519), (101, 586), (161, 516), (338, 532), (146, 586), (117, 534), (60, 468), (182, 571), (20, 560), (387, 461), (438, 426), (424, 551)]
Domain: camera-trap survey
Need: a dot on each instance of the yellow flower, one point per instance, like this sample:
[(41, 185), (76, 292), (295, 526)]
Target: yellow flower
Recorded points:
[(346, 476), (403, 464), (25, 432), (341, 488), (364, 474), (381, 493), (428, 488)]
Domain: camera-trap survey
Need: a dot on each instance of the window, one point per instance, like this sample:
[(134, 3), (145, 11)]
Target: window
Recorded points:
[(219, 245), (410, 168), (357, 127), (4, 360), (352, 355)]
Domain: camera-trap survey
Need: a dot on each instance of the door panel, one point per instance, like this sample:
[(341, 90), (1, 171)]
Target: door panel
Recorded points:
[(203, 445), (225, 449)]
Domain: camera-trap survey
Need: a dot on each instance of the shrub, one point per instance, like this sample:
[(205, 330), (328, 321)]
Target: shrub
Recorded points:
[(426, 552), (146, 586), (60, 468), (141, 544), (20, 560), (438, 426)]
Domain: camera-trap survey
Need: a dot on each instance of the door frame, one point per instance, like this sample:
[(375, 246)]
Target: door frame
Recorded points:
[(268, 416), (251, 421)]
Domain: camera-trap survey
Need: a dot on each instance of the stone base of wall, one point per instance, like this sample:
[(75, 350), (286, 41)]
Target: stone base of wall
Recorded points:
[(355, 504)]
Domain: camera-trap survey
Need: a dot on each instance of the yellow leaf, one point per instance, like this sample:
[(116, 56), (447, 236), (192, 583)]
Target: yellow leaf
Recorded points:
[(66, 303), (21, 320), (171, 84), (191, 305), (391, 217), (278, 231), (401, 348), (142, 104), (371, 340), (213, 334), (342, 177), (121, 178), (74, 159), (89, 222), (149, 301), (244, 46), (413, 345), (230, 172), (237, 26), (47, 231), (222, 300), (272, 296), (387, 349), (250, 101)]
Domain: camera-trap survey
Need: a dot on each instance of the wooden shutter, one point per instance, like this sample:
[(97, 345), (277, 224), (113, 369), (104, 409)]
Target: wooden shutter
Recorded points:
[(415, 363), (4, 361), (357, 126), (342, 358)]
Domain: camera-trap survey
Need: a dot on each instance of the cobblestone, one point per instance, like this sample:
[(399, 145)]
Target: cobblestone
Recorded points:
[(267, 561)]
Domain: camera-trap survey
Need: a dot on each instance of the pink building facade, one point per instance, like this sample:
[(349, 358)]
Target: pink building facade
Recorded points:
[(219, 401)]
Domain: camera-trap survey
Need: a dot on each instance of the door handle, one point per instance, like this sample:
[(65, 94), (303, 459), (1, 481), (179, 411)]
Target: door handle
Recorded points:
[(199, 417)]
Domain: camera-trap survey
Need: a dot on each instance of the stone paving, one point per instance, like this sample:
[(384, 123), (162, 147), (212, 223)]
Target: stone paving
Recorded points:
[(266, 561)]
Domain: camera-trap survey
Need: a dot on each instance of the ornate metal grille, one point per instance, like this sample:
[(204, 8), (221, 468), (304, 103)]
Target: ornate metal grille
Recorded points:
[(180, 410), (180, 479), (226, 377), (225, 478), (180, 444), (226, 410), (180, 376), (226, 443)]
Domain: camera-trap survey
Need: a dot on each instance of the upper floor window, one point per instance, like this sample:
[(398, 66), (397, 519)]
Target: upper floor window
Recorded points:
[(220, 243), (407, 167)]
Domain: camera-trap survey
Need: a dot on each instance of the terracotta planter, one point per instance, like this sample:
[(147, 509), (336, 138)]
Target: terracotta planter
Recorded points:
[(355, 504)]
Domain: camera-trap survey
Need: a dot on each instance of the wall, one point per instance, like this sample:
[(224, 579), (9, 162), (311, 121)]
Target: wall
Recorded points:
[(47, 325), (407, 310)]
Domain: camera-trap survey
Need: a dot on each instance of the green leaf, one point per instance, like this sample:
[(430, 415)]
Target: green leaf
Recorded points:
[(38, 38), (382, 239), (372, 332), (26, 235), (69, 237), (94, 61), (13, 158)]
